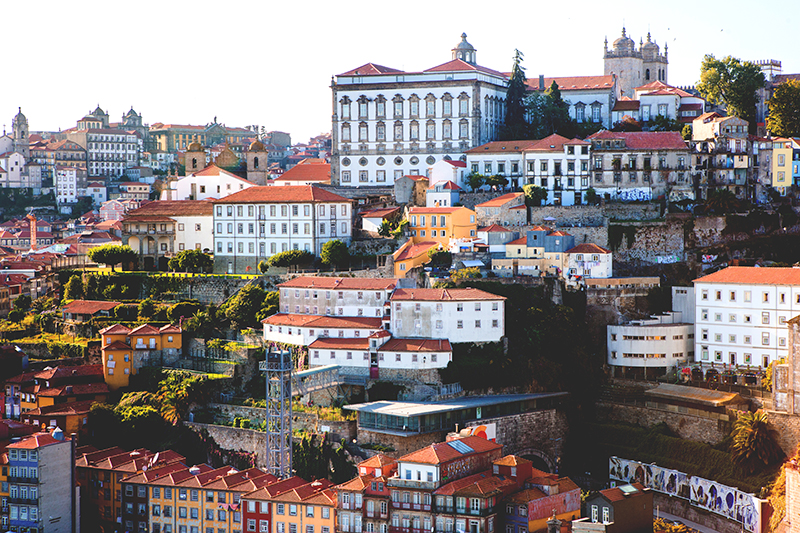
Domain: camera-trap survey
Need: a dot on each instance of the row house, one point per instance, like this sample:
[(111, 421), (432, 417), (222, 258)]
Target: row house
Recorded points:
[(388, 123), (441, 224), (159, 230), (363, 502), (640, 165), (53, 386), (309, 508), (310, 295), (210, 183), (126, 350), (254, 224), (543, 496), (785, 164), (658, 99), (257, 505), (381, 351), (134, 190), (722, 154)]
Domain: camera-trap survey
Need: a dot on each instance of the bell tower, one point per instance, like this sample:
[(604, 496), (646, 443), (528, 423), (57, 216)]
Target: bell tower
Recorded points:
[(19, 127)]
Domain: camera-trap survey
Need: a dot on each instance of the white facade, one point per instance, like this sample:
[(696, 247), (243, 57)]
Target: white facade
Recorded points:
[(452, 314), (66, 183), (388, 123), (302, 330), (210, 183), (98, 193), (447, 170), (194, 232), (660, 342), (590, 263), (356, 353), (741, 321), (14, 165), (336, 296), (111, 151)]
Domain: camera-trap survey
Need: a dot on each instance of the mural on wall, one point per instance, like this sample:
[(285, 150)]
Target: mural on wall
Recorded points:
[(485, 431), (729, 502), (639, 194)]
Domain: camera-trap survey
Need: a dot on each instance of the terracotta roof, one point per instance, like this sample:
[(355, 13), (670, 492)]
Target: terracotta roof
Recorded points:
[(358, 483), (501, 146), (170, 328), (336, 343), (431, 210), (493, 228), (443, 452), (411, 250), (483, 484), (144, 329), (416, 345), (117, 345), (754, 276), (62, 372), (89, 307), (75, 390), (321, 282), (174, 208), (304, 492), (457, 163), (316, 321), (512, 460), (285, 194), (370, 69), (616, 495), (379, 213), (448, 186), (626, 105), (525, 496), (34, 441), (588, 248), (308, 170), (574, 83), (444, 295), (63, 409), (501, 200), (521, 240), (645, 140), (377, 461), (274, 489), (559, 233), (116, 329), (554, 142)]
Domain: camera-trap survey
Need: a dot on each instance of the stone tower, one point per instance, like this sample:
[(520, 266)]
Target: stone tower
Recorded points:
[(465, 51), (634, 66), (257, 163), (19, 132), (195, 158)]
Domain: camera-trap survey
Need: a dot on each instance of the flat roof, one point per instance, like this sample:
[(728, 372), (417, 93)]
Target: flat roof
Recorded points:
[(697, 395), (406, 409)]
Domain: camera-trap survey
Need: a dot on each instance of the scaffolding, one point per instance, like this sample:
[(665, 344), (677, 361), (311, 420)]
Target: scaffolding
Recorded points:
[(279, 413)]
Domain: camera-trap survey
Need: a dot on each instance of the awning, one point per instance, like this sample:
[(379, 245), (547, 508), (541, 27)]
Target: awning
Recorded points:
[(473, 263)]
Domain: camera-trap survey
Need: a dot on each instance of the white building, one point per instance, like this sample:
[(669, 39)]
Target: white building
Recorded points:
[(381, 351), (66, 184), (461, 315), (256, 223), (447, 170), (98, 193), (590, 98), (352, 297), (211, 183), (741, 315), (388, 123), (588, 260), (302, 330), (13, 168), (650, 347), (110, 151)]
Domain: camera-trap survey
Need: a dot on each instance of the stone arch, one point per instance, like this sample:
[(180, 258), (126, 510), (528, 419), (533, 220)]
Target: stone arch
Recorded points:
[(533, 452)]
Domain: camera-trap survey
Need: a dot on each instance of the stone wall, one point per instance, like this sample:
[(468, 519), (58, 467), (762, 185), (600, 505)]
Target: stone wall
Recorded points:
[(683, 509), (788, 430), (654, 242), (379, 245), (401, 444), (684, 425), (209, 289), (237, 439)]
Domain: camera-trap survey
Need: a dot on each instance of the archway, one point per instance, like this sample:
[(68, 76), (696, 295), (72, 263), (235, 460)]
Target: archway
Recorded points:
[(540, 460)]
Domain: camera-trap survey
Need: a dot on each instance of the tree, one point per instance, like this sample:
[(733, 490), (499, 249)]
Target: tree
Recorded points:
[(496, 180), (387, 226), (242, 308), (84, 205), (549, 114), (290, 258), (721, 201), (591, 196), (23, 302), (475, 180), (263, 266), (16, 315), (534, 195), (784, 110), (90, 290), (627, 123), (686, 132), (270, 305), (147, 308), (440, 258), (335, 253), (73, 290), (734, 83), (754, 445), (662, 123), (516, 127), (183, 310), (191, 261), (112, 254)]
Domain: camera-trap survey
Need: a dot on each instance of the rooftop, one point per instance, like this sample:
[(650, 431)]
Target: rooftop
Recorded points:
[(754, 276), (708, 397), (406, 409), (468, 294), (322, 282), (286, 194)]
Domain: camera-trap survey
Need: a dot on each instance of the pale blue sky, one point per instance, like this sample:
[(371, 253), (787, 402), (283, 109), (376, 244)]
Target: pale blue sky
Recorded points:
[(270, 63)]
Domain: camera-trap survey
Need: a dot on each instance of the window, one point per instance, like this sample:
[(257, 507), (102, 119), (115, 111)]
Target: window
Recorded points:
[(765, 339), (765, 317)]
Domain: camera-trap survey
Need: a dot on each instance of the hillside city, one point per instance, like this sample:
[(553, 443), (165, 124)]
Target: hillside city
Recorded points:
[(481, 303)]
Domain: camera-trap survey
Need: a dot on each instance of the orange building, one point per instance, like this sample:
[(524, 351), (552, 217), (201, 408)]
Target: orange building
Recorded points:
[(308, 508), (412, 254), (440, 224), (126, 350)]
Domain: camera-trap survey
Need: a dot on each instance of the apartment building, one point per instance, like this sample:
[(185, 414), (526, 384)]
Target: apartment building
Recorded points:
[(302, 330), (650, 347), (363, 502), (741, 315), (311, 295), (257, 506), (125, 350), (309, 508), (256, 223), (441, 224)]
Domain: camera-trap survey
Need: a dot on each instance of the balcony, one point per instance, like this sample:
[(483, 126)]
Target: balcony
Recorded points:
[(27, 501), (411, 506), (411, 484), (17, 479)]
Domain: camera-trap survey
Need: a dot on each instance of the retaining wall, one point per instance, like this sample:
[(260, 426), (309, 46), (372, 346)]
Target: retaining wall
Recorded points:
[(684, 425)]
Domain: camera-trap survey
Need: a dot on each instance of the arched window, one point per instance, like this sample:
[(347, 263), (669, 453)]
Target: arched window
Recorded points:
[(255, 162), (194, 162)]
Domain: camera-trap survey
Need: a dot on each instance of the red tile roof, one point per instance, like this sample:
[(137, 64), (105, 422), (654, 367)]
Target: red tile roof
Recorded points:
[(274, 489), (75, 390), (442, 452), (502, 200), (285, 194), (331, 322), (443, 295), (431, 210), (459, 65), (144, 329), (411, 250), (214, 170), (34, 441), (377, 461), (173, 208), (512, 460), (89, 307), (626, 105), (559, 233), (616, 495), (588, 248), (370, 69), (116, 329), (321, 282), (62, 372), (337, 343), (574, 83), (117, 345), (521, 240), (554, 142), (457, 163), (501, 146), (645, 140), (416, 345), (379, 213), (308, 170), (63, 409), (754, 276), (493, 228)]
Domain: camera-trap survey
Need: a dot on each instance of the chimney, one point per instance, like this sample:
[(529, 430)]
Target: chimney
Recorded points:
[(541, 82)]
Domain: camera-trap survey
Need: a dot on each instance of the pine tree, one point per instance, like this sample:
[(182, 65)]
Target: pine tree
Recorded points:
[(516, 127)]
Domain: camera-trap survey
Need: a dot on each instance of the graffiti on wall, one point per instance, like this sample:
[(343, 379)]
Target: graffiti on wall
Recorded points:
[(729, 502)]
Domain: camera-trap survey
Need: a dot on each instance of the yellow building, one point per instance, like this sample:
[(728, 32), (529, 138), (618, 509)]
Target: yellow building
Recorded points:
[(783, 162), (307, 509), (440, 224), (411, 255), (126, 350)]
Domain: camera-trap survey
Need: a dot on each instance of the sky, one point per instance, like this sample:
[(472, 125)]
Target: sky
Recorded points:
[(270, 63)]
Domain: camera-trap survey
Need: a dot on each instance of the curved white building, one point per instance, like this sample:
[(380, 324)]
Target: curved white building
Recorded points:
[(649, 348)]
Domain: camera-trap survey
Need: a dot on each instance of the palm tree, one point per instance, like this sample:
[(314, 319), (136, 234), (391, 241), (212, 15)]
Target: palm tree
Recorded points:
[(754, 443)]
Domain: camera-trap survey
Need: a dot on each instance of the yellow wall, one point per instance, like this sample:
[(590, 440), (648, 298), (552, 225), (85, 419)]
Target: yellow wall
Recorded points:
[(521, 251), (411, 262), (301, 519), (119, 378), (782, 148), (459, 224), (541, 524)]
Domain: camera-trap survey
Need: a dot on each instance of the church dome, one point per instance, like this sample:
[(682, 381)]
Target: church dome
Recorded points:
[(195, 147), (98, 111), (256, 146), (464, 45), (624, 43), (650, 49), (19, 117), (132, 113)]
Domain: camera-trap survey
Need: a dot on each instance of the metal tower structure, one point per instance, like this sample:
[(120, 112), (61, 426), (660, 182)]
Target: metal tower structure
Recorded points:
[(279, 412)]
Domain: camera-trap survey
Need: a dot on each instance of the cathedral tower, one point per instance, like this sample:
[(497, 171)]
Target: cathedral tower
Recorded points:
[(19, 132), (634, 66)]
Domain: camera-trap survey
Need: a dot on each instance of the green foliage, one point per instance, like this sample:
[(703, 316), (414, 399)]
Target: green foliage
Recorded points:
[(269, 307), (515, 125), (73, 290), (754, 443), (549, 114), (291, 258), (662, 123), (616, 232), (475, 180), (22, 302), (534, 195), (385, 390), (784, 110), (440, 258), (400, 229), (686, 132), (16, 315), (185, 309), (112, 254), (387, 227), (203, 324), (147, 308), (128, 312), (243, 308), (457, 276), (496, 180), (191, 261), (335, 253), (84, 205), (263, 266), (721, 201), (315, 458), (591, 196), (734, 83), (90, 290)]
